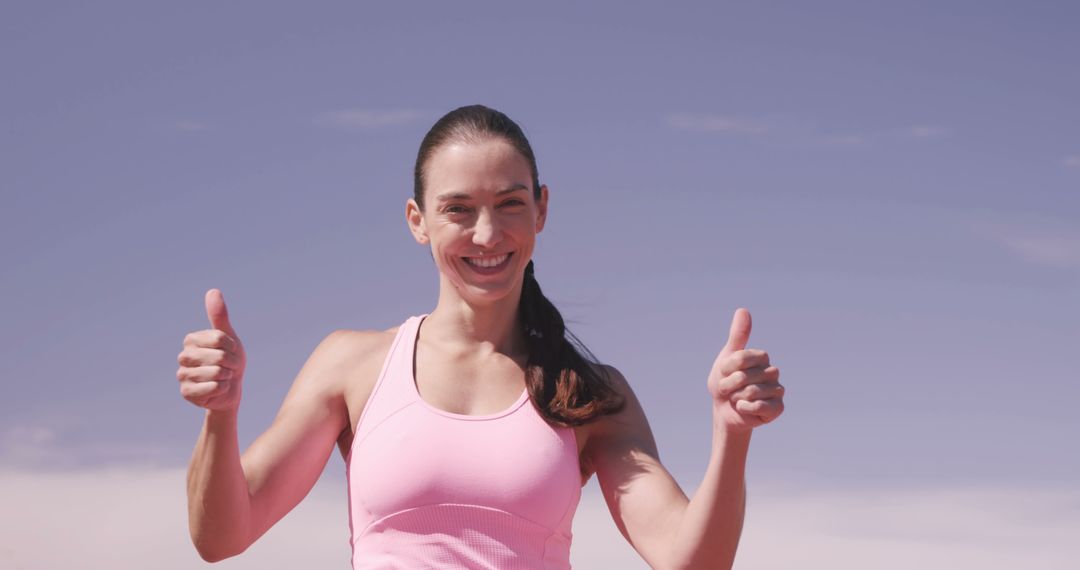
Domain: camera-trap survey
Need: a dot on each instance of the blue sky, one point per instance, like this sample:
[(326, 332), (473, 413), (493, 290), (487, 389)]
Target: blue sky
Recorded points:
[(893, 190)]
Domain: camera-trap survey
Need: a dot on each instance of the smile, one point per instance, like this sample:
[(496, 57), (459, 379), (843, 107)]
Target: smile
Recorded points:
[(488, 265)]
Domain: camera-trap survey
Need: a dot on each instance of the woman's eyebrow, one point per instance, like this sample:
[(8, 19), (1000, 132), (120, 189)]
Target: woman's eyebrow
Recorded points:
[(463, 196)]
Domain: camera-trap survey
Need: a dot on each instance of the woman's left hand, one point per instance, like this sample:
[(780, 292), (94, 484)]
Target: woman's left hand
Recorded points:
[(745, 388)]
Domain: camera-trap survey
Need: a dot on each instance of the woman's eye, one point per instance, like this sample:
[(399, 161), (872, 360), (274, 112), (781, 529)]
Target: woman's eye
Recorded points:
[(513, 203)]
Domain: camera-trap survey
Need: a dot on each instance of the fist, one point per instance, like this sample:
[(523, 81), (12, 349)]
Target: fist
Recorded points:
[(745, 387), (212, 361)]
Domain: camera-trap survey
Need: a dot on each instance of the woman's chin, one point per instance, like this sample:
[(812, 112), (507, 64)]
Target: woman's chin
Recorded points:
[(479, 289), (485, 293)]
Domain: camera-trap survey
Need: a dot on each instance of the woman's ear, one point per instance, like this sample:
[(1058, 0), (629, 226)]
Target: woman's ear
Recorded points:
[(415, 218), (542, 208)]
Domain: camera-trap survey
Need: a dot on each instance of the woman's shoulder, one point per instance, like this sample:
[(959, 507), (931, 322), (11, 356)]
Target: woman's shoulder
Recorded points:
[(352, 348), (339, 359), (358, 356), (631, 414), (364, 339), (614, 378), (596, 436)]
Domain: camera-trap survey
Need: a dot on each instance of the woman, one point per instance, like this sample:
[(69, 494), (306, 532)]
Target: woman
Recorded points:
[(447, 465)]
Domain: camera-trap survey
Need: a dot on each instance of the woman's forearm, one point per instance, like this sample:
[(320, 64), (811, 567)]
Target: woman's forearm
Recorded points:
[(709, 530), (219, 504)]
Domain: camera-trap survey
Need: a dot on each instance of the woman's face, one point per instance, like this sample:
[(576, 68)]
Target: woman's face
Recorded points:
[(479, 211)]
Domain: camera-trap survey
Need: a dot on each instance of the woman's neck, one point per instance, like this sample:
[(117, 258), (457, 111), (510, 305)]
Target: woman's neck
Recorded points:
[(460, 326)]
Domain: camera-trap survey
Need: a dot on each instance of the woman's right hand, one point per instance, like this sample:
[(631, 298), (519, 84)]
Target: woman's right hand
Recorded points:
[(212, 361)]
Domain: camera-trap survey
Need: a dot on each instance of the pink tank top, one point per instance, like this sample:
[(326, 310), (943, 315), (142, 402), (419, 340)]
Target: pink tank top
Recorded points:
[(434, 489)]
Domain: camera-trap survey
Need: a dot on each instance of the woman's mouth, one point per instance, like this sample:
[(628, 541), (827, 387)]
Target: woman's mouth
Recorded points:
[(488, 265)]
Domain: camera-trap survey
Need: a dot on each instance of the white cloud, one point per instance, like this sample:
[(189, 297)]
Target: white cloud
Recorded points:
[(1037, 240), (1053, 250), (962, 527), (136, 518), (31, 435), (843, 140), (715, 123), (26, 445), (32, 447), (191, 126), (791, 130), (364, 119), (924, 131), (913, 133)]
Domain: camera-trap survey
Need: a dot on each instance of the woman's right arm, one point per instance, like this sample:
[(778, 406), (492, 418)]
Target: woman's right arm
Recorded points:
[(234, 499)]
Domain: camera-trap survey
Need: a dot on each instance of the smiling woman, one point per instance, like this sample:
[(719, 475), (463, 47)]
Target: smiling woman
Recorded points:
[(447, 465), (482, 225)]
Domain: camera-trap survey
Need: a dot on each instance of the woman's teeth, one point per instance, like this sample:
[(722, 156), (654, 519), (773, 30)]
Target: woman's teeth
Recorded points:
[(487, 261)]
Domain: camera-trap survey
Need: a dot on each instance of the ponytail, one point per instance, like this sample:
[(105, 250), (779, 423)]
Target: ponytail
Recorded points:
[(565, 387)]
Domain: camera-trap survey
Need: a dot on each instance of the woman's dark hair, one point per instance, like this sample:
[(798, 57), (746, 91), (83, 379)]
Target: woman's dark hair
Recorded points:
[(565, 387)]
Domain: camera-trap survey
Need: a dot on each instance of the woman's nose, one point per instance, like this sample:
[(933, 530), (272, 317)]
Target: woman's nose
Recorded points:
[(486, 233)]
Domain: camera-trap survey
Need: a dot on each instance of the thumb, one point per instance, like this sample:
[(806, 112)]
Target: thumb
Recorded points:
[(739, 334), (218, 313)]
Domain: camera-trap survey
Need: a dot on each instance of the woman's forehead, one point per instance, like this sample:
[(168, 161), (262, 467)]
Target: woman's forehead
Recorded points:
[(469, 168)]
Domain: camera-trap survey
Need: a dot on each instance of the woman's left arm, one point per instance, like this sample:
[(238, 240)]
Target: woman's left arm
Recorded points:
[(669, 530)]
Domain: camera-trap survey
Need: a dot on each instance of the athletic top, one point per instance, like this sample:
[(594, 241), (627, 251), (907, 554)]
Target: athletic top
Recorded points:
[(430, 488)]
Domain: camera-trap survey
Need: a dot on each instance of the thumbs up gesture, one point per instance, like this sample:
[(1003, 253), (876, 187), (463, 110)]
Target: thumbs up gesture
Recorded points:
[(212, 361), (746, 389)]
